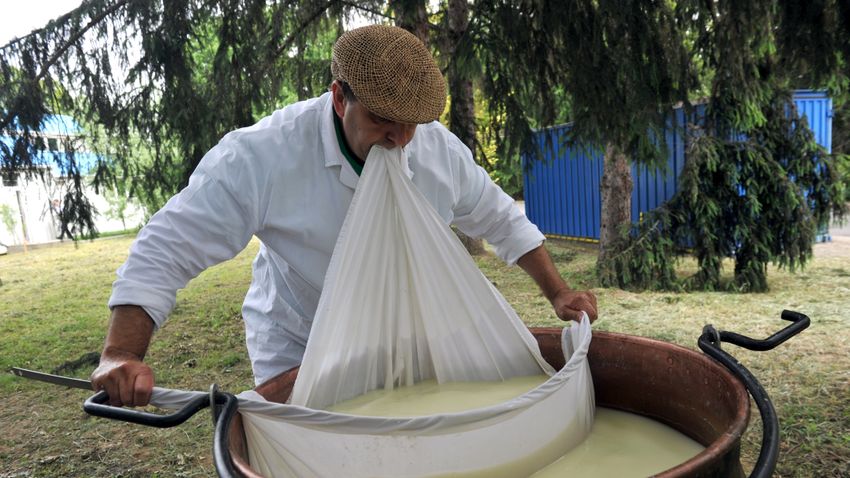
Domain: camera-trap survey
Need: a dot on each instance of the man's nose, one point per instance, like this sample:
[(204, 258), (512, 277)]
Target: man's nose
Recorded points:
[(400, 133)]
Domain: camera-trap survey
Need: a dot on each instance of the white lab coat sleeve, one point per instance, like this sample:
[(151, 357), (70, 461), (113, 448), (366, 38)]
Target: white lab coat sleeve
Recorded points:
[(483, 210), (209, 221)]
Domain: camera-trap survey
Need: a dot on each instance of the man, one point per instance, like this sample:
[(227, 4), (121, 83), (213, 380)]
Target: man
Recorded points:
[(59, 215), (289, 180)]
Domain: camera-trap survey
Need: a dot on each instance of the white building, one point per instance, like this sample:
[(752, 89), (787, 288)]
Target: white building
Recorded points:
[(26, 212)]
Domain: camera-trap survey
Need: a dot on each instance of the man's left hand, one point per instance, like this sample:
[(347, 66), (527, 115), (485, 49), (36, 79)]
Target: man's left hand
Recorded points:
[(569, 304)]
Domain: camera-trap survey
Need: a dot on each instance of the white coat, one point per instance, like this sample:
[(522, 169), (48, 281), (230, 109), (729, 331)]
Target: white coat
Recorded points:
[(286, 181)]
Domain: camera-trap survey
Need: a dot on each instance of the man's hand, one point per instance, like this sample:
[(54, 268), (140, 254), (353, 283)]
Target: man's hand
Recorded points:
[(569, 304), (127, 380), (121, 372)]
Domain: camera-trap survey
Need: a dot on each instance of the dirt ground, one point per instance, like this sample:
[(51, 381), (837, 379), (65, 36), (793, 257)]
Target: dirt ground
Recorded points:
[(839, 246)]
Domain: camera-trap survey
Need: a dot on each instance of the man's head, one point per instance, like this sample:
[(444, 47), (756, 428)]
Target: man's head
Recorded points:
[(364, 129), (385, 83), (391, 73)]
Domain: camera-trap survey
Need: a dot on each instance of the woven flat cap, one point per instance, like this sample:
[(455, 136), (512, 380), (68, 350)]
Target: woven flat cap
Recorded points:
[(391, 72)]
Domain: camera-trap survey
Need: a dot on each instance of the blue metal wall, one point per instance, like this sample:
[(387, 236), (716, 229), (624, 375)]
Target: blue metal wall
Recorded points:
[(562, 191)]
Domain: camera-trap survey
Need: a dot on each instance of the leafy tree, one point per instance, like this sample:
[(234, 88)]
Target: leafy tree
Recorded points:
[(815, 50), (8, 219), (756, 185), (164, 80), (619, 66), (118, 202), (170, 77), (173, 76)]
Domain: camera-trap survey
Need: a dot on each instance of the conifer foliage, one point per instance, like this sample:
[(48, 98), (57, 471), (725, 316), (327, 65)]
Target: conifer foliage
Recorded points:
[(756, 187), (158, 82)]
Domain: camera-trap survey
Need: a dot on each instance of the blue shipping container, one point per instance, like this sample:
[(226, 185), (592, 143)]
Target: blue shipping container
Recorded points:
[(562, 191)]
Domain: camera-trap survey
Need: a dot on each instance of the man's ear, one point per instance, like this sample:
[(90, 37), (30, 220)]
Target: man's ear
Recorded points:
[(338, 98)]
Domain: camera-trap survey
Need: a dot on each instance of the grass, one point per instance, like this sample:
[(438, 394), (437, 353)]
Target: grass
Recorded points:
[(53, 304)]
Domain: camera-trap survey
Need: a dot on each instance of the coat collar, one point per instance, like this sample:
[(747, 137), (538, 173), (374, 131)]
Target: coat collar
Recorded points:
[(333, 153)]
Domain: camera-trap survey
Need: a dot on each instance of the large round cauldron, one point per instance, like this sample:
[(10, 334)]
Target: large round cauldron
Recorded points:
[(676, 386), (703, 396)]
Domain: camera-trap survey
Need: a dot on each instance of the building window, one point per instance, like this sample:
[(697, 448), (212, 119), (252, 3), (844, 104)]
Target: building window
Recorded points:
[(9, 180)]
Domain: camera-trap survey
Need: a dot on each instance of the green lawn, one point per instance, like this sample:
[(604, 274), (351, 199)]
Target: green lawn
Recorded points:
[(53, 312)]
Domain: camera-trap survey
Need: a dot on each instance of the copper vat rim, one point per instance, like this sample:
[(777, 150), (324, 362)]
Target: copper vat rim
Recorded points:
[(724, 443)]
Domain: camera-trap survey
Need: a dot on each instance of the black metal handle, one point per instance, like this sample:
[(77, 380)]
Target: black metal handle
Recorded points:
[(221, 441), (709, 342), (224, 409), (97, 405), (799, 323)]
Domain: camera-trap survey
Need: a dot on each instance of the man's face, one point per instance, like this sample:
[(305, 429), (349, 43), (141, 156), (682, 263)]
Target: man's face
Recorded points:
[(363, 129)]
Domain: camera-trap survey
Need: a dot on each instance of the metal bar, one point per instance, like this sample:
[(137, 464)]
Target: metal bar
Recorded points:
[(221, 440), (799, 320), (709, 342), (224, 406), (54, 379), (224, 409), (97, 405)]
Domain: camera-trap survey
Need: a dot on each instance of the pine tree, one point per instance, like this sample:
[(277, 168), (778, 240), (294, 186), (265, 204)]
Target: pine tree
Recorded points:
[(622, 66), (756, 186), (169, 76), (615, 69)]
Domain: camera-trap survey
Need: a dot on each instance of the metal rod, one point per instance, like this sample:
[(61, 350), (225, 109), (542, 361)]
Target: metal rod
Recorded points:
[(799, 323), (221, 440), (96, 405), (224, 407), (54, 379), (709, 342)]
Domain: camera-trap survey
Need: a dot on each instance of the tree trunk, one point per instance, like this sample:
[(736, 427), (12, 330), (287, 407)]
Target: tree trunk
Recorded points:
[(22, 210), (300, 81), (475, 247), (616, 195), (462, 107), (412, 15), (462, 110)]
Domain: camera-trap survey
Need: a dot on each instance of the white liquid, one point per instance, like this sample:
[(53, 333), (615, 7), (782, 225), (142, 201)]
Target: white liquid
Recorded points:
[(620, 444), (431, 398), (624, 445)]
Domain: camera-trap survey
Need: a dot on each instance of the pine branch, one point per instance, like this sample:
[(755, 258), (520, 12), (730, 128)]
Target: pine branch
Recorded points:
[(640, 240), (485, 161), (370, 10), (77, 35), (304, 24), (37, 31)]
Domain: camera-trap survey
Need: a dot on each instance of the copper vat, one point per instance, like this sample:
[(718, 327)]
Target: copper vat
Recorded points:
[(676, 386)]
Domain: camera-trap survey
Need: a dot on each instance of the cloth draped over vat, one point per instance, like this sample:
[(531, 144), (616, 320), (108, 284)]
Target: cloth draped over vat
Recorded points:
[(404, 302), (508, 440)]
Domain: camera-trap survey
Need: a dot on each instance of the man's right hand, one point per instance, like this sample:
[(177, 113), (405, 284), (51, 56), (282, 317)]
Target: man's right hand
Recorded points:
[(121, 372), (123, 375)]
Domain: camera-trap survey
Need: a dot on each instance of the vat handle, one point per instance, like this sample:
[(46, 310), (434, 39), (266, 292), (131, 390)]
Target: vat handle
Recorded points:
[(224, 406), (799, 322), (709, 342)]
